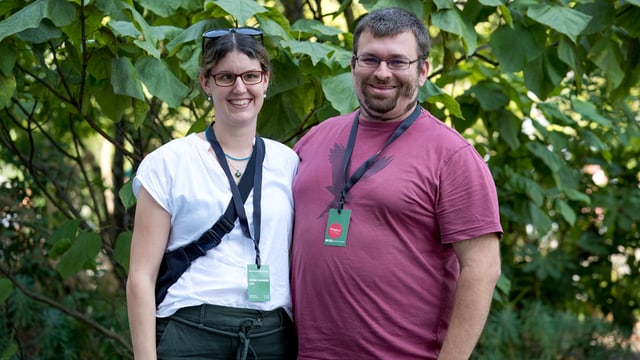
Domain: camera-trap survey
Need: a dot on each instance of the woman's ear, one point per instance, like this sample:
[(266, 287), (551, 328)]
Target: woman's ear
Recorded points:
[(204, 83)]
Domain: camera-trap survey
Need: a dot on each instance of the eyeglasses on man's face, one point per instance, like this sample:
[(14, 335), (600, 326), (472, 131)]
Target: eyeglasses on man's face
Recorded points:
[(212, 35), (226, 79), (396, 63)]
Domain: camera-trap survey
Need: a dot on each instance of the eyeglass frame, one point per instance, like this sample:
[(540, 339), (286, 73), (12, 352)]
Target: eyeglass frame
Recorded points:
[(236, 76), (357, 58), (245, 30)]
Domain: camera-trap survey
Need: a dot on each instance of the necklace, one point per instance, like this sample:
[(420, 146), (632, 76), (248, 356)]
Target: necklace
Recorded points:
[(237, 159), (237, 172)]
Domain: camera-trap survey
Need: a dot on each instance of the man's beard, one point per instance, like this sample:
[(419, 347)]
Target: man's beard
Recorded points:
[(379, 107)]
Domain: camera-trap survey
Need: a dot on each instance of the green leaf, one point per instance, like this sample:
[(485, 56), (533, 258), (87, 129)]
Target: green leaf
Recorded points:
[(60, 12), (540, 220), (6, 288), (449, 20), (509, 127), (603, 16), (122, 249), (554, 115), (416, 7), (628, 20), (525, 185), (7, 89), (503, 286), (67, 232), (563, 19), (563, 208), (490, 95), (10, 352), (494, 3), (573, 194), (314, 50), (433, 94), (592, 244), (545, 73), (605, 55), (127, 197), (315, 28), (241, 10), (444, 4), (83, 250), (8, 59), (161, 82), (339, 92), (124, 79), (124, 28), (553, 161), (515, 47), (166, 8), (590, 113)]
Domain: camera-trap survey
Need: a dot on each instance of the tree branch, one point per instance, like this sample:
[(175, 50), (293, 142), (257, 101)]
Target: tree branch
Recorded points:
[(73, 313)]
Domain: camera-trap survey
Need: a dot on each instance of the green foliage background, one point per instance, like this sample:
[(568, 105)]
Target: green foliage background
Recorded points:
[(547, 91)]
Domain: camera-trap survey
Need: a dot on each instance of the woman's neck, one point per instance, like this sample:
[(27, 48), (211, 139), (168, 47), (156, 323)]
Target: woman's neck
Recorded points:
[(235, 142)]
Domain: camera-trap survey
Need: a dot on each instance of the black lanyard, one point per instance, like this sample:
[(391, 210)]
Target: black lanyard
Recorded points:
[(259, 153), (357, 175)]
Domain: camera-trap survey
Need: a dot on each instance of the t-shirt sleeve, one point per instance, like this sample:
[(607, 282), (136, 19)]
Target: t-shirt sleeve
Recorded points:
[(152, 174), (467, 201)]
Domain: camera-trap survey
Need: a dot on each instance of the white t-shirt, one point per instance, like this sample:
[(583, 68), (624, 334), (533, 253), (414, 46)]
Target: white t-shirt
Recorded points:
[(187, 181)]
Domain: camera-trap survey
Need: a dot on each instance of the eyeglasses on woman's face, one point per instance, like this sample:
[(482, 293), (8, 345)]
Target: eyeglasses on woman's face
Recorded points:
[(226, 79), (372, 62), (212, 35)]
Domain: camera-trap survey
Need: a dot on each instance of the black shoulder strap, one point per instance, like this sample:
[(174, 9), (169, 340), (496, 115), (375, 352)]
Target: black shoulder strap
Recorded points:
[(212, 237)]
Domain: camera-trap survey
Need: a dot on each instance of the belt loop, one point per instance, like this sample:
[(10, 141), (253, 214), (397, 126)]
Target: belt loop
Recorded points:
[(203, 314)]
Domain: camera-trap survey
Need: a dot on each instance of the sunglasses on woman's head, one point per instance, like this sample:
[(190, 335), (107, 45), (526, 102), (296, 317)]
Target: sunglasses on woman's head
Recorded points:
[(212, 35)]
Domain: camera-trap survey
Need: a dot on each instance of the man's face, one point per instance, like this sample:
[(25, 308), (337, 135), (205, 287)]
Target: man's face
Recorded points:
[(387, 94)]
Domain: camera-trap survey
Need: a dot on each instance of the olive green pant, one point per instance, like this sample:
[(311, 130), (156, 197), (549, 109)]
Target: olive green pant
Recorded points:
[(219, 332)]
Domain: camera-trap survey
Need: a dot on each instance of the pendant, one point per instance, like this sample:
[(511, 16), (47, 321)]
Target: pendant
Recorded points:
[(238, 173)]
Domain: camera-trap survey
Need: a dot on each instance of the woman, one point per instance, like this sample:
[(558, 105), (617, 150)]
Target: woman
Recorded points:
[(234, 301)]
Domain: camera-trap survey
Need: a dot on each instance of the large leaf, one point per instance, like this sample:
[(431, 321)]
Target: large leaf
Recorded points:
[(449, 20), (606, 55), (590, 113), (160, 81), (545, 73), (416, 7), (433, 94), (165, 8), (60, 12), (315, 51), (563, 19), (83, 250), (564, 209), (525, 185), (315, 28), (339, 91), (490, 95), (6, 288), (509, 127), (241, 10), (124, 78), (126, 195), (516, 47), (7, 89), (121, 250), (540, 220), (551, 159)]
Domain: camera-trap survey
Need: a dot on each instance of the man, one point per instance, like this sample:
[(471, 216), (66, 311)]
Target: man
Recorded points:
[(396, 240)]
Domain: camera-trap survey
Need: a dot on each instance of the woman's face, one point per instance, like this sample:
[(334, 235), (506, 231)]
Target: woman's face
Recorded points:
[(238, 104)]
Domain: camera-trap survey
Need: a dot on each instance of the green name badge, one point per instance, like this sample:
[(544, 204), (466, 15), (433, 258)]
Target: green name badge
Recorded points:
[(259, 284), (337, 228)]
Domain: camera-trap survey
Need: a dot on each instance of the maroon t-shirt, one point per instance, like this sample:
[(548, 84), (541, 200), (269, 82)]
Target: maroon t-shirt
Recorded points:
[(387, 294)]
